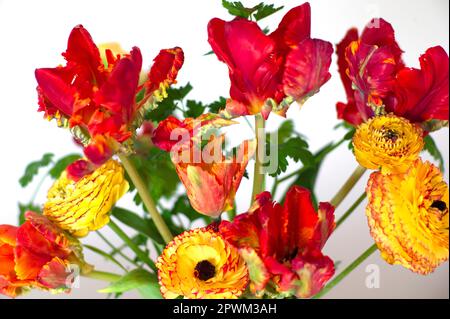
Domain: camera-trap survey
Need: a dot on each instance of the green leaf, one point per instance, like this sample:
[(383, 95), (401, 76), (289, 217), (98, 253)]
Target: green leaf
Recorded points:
[(136, 279), (433, 150), (33, 169), (237, 9), (217, 106), (105, 255), (62, 164), (23, 208), (143, 226), (167, 106), (158, 172), (295, 148), (265, 10), (258, 12), (194, 108), (307, 176)]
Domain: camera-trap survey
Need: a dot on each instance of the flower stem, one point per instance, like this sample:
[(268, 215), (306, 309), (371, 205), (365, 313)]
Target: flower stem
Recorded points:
[(258, 176), (347, 187), (127, 240), (347, 271), (114, 248), (351, 209), (146, 198), (102, 275)]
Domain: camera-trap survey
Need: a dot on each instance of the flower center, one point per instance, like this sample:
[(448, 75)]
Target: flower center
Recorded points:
[(204, 270), (390, 135), (442, 206)]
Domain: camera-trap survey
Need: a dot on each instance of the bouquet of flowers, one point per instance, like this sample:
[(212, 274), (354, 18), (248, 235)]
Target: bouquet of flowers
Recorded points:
[(140, 134)]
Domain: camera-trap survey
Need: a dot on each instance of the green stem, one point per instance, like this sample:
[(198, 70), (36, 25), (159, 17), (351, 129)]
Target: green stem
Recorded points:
[(115, 249), (146, 198), (347, 271), (351, 209), (127, 240), (347, 187), (258, 176), (105, 255), (102, 275), (38, 187)]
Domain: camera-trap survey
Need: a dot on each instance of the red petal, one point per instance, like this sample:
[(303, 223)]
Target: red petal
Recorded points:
[(255, 69), (8, 234), (98, 152), (306, 68), (54, 91), (325, 225), (28, 264), (313, 270), (169, 132), (423, 94), (84, 54), (298, 220), (294, 27), (379, 32), (56, 274), (78, 169), (165, 68)]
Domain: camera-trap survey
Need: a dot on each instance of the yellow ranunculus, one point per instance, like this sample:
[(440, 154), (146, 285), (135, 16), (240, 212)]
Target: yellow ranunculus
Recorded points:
[(408, 216), (83, 206), (387, 142), (200, 264)]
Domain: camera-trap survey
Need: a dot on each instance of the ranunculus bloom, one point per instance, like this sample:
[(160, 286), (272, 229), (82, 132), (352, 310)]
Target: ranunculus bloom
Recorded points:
[(37, 254), (374, 76), (388, 142), (84, 205), (408, 216), (200, 264), (96, 98), (282, 244), (266, 69), (211, 179)]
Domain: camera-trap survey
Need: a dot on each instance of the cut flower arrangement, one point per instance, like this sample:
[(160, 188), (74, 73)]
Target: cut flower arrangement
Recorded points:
[(138, 133)]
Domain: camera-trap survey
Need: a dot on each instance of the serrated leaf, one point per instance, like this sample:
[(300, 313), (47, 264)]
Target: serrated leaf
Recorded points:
[(33, 169), (167, 106), (295, 148), (432, 149), (217, 106), (237, 9), (143, 226), (265, 10), (135, 279), (62, 164), (194, 108)]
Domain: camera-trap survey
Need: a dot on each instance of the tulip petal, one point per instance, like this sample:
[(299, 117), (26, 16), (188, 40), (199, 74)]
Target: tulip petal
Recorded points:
[(422, 94), (306, 69)]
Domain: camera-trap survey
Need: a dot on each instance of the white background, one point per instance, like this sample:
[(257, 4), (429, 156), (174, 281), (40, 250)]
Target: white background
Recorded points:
[(34, 33)]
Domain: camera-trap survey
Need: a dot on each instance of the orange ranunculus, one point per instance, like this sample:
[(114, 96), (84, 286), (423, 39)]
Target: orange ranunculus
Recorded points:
[(408, 216), (98, 98), (37, 254)]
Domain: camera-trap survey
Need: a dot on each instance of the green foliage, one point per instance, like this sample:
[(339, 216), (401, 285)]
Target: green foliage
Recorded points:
[(307, 176), (145, 282), (295, 147), (158, 171), (62, 164), (33, 169), (175, 96), (23, 208), (194, 108), (258, 12), (217, 106), (349, 135), (143, 226), (183, 206), (432, 149)]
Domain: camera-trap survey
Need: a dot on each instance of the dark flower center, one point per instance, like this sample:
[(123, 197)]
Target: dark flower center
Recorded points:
[(442, 206), (390, 135), (204, 270)]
